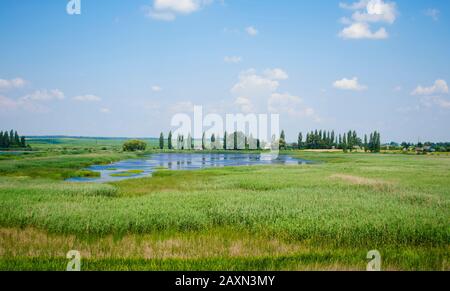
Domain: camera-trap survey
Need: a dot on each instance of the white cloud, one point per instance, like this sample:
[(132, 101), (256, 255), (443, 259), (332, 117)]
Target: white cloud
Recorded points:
[(105, 110), (291, 105), (253, 85), (32, 102), (368, 11), (349, 84), (167, 10), (245, 104), (439, 87), (252, 31), (156, 88), (232, 59), (259, 92), (377, 11), (44, 95), (87, 98), (276, 74), (12, 84), (433, 13), (362, 31), (432, 95)]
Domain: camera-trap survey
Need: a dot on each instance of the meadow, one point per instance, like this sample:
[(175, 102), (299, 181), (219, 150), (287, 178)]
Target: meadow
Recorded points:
[(324, 216)]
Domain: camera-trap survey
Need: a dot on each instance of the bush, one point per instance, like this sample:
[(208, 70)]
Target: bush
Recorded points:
[(134, 145)]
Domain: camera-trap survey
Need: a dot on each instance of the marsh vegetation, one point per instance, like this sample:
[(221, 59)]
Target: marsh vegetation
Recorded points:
[(280, 217)]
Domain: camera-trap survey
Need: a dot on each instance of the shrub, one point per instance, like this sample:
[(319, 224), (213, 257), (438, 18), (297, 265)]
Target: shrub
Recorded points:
[(134, 145)]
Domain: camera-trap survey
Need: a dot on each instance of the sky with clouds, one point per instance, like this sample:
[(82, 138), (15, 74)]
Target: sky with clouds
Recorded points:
[(123, 68)]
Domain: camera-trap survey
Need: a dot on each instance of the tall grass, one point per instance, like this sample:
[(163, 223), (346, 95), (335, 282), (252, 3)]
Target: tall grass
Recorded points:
[(350, 201)]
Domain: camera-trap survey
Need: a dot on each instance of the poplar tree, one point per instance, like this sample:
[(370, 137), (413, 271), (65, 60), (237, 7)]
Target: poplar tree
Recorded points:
[(169, 141), (300, 141), (203, 141), (225, 141), (213, 141), (161, 141), (282, 142), (365, 143)]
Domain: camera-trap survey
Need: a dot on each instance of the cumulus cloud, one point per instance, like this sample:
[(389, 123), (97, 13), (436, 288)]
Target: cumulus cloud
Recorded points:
[(366, 12), (291, 105), (361, 31), (87, 98), (376, 11), (252, 31), (260, 92), (439, 87), (105, 110), (433, 95), (12, 84), (167, 10), (349, 84), (245, 104), (232, 59), (254, 85), (276, 74)]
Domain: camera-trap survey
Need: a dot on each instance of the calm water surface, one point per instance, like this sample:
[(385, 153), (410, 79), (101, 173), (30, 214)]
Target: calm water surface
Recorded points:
[(151, 163)]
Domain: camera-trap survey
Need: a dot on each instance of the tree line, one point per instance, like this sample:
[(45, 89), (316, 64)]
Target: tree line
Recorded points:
[(12, 140), (318, 139), (321, 139)]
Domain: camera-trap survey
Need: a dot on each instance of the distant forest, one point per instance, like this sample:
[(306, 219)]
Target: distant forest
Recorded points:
[(12, 140)]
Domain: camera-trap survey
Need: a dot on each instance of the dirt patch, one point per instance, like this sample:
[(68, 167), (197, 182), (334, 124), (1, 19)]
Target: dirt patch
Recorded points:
[(356, 180)]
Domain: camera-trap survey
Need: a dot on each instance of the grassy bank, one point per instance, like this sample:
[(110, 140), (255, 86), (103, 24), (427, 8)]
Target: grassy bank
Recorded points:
[(321, 216)]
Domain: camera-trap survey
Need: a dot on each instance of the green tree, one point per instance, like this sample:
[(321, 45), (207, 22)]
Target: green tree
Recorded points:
[(161, 141), (203, 141), (213, 141), (189, 142), (235, 139), (169, 141), (16, 139), (366, 145), (23, 142), (344, 143), (6, 139), (300, 141), (332, 139), (282, 142), (225, 140), (377, 142), (11, 138)]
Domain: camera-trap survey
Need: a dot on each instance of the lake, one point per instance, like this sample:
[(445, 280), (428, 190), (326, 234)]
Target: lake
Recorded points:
[(145, 166)]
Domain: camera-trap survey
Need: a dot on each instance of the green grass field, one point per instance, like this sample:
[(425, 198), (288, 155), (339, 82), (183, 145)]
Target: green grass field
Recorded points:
[(324, 216)]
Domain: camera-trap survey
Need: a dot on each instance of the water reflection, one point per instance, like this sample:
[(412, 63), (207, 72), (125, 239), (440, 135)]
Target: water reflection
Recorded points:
[(151, 163)]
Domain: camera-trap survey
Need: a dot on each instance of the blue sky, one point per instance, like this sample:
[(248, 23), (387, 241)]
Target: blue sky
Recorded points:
[(123, 68)]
